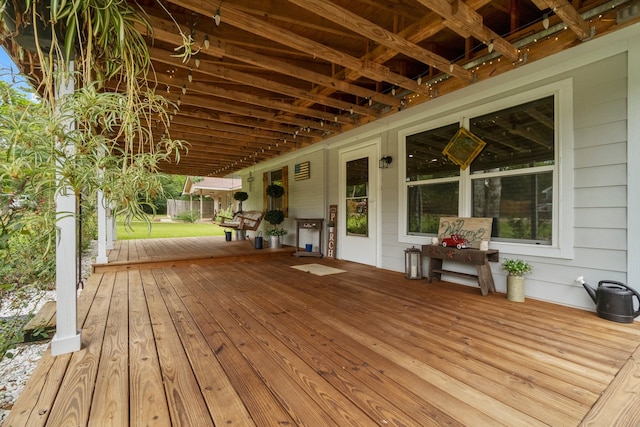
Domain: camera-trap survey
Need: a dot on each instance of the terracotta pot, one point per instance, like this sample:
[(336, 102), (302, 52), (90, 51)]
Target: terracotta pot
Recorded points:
[(515, 288)]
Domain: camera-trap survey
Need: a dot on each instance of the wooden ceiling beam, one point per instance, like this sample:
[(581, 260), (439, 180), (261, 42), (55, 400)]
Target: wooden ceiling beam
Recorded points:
[(237, 18), (467, 22), (219, 48), (568, 14), (427, 26), (199, 102), (195, 123), (211, 68), (247, 98), (372, 31), (272, 64)]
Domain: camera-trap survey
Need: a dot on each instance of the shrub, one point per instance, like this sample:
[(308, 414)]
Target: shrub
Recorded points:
[(188, 216), (274, 217), (241, 196), (275, 191)]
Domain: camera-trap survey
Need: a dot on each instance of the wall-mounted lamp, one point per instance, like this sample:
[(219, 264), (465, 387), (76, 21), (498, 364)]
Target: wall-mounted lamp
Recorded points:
[(385, 161)]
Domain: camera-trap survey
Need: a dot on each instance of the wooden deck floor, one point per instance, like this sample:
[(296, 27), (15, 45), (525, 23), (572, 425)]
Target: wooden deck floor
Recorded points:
[(256, 342)]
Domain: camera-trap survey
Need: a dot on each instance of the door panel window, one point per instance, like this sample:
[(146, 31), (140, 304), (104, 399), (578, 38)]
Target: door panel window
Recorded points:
[(357, 197)]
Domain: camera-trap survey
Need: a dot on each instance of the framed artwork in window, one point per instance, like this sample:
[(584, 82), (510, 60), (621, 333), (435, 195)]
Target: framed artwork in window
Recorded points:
[(463, 148)]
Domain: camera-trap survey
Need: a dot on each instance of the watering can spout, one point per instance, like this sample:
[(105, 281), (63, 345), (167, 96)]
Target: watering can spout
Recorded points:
[(589, 289)]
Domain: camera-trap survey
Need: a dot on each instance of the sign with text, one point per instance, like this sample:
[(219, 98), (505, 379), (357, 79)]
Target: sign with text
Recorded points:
[(331, 241), (475, 230)]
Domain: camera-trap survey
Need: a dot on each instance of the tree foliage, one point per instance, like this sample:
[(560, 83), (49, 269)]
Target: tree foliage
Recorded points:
[(109, 134)]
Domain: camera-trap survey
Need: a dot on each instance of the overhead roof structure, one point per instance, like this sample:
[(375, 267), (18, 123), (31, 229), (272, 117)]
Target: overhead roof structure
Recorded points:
[(209, 186), (270, 77)]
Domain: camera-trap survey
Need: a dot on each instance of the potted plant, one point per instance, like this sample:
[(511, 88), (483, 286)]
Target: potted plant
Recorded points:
[(240, 196), (516, 268), (275, 217)]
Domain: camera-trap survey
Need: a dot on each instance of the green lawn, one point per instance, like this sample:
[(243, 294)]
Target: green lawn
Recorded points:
[(167, 229)]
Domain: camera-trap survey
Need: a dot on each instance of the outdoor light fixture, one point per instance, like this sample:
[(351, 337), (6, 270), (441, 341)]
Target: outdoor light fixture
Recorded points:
[(385, 161)]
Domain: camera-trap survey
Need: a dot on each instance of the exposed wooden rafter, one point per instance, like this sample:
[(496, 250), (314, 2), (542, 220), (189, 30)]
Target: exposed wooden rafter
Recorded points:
[(467, 22), (568, 14), (279, 75), (344, 17)]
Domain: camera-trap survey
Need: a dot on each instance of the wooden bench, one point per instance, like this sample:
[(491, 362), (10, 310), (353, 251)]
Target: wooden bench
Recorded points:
[(437, 254)]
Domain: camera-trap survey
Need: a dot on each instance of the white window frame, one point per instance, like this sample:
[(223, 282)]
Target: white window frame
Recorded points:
[(562, 240)]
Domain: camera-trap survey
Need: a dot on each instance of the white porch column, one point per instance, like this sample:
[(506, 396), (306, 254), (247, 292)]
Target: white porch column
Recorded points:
[(102, 258), (111, 227), (201, 207), (67, 337)]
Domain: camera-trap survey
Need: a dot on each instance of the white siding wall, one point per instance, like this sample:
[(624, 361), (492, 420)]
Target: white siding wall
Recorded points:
[(598, 202), (306, 197), (599, 205)]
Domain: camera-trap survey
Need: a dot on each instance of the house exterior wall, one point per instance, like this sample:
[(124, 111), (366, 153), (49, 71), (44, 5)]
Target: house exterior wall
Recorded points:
[(306, 197), (599, 139)]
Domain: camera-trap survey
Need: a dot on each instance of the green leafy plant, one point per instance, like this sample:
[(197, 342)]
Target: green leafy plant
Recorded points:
[(275, 190), (240, 196), (516, 267), (276, 231), (117, 142), (274, 217), (188, 216)]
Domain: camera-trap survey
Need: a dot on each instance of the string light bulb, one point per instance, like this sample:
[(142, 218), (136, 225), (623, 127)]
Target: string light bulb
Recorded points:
[(545, 21), (490, 46), (184, 89), (190, 76), (217, 18), (451, 67)]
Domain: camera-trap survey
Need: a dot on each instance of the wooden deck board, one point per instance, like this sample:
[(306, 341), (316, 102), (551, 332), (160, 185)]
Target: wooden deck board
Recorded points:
[(148, 402), (251, 341), (224, 404), (186, 403)]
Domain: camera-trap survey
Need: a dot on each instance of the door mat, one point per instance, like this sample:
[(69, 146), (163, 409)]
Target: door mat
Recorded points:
[(318, 269)]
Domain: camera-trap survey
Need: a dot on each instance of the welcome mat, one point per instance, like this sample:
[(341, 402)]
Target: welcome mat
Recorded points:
[(318, 269)]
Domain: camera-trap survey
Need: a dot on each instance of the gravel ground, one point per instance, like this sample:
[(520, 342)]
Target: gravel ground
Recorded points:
[(15, 372)]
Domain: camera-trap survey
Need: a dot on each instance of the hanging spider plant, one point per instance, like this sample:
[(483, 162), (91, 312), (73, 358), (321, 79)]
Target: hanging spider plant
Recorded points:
[(122, 133)]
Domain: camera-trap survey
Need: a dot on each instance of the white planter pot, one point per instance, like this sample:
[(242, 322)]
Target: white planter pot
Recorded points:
[(275, 242), (515, 288)]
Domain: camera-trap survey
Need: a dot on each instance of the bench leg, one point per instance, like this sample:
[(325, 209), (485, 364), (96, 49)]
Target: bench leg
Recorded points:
[(485, 279), (434, 264)]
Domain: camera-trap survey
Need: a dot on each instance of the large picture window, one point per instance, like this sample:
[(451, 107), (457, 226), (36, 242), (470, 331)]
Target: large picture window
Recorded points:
[(432, 179), (511, 180)]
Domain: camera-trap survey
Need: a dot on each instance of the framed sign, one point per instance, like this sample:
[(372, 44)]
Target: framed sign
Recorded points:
[(463, 148), (473, 229)]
